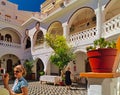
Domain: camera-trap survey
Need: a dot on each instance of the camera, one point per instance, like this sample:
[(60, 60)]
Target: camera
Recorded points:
[(2, 71)]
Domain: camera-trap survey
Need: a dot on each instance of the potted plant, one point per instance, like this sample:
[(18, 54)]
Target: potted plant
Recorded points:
[(102, 55), (41, 73), (28, 64)]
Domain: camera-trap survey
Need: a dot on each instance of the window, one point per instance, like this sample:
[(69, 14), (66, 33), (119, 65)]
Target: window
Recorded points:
[(8, 38), (39, 38)]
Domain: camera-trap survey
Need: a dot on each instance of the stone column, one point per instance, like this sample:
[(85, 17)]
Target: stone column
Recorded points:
[(31, 34), (99, 19), (66, 30)]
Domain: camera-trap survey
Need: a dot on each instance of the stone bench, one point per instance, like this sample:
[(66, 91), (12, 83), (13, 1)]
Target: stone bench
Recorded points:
[(50, 78)]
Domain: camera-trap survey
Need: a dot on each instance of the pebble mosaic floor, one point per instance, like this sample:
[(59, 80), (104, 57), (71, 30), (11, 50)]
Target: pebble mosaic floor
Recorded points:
[(35, 88)]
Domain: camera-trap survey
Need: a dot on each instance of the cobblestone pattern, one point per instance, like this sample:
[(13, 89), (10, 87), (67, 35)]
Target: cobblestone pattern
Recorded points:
[(35, 88)]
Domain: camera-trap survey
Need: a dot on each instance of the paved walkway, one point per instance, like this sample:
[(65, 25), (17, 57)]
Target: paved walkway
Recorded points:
[(35, 88)]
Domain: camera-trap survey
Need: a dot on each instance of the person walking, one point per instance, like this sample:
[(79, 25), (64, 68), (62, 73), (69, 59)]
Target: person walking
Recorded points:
[(20, 86), (68, 81)]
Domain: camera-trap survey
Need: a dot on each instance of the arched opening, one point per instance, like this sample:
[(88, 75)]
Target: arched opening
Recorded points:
[(8, 61), (10, 35), (28, 43), (39, 67), (56, 28), (112, 9), (39, 38), (8, 38), (9, 65), (82, 19)]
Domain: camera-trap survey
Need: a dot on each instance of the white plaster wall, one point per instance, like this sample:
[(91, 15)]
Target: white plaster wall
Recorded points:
[(54, 68), (27, 54), (80, 62), (11, 50)]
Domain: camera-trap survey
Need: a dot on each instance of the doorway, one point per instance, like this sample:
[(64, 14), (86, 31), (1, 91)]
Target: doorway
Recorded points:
[(39, 68)]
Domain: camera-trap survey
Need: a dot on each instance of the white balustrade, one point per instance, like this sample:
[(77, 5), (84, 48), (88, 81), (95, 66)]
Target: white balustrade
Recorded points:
[(110, 28), (112, 24), (9, 44), (83, 35)]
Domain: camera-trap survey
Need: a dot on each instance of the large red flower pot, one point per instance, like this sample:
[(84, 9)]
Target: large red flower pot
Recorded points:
[(102, 60)]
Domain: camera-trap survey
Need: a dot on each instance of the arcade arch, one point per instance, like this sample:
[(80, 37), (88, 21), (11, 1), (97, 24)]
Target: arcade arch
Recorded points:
[(82, 19), (112, 9), (56, 28), (38, 38), (8, 61), (39, 67), (10, 35), (27, 42)]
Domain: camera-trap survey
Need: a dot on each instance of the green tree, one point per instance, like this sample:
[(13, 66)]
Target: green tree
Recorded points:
[(62, 51)]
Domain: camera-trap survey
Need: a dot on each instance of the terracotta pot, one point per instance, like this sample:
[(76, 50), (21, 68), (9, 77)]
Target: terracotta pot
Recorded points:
[(61, 83), (102, 60)]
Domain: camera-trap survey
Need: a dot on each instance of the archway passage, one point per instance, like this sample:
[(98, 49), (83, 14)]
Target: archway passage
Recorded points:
[(28, 43), (8, 61), (39, 68), (9, 65)]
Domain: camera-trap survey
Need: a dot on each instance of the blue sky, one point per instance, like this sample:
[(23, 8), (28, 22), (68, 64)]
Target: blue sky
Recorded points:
[(28, 5)]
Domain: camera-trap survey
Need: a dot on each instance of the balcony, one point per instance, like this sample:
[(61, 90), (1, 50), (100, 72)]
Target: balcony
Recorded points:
[(50, 7), (111, 28), (9, 44)]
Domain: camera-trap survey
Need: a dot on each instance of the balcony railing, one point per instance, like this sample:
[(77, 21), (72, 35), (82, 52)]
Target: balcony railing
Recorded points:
[(9, 44), (111, 27), (83, 35)]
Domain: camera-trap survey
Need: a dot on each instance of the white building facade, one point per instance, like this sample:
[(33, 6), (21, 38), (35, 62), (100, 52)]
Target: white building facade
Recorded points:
[(80, 21)]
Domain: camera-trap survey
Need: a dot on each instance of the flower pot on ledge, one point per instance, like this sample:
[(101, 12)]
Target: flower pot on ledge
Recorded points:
[(102, 60)]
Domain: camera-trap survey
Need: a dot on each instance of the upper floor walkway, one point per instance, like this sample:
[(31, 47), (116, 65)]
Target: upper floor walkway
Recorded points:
[(81, 39)]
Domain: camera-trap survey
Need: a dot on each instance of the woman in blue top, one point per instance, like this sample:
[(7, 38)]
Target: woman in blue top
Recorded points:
[(20, 86)]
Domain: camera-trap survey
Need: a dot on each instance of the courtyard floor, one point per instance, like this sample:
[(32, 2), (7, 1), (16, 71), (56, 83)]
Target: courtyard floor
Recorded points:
[(36, 88)]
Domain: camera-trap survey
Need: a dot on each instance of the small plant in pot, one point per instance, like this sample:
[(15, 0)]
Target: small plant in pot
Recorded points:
[(102, 55), (42, 73)]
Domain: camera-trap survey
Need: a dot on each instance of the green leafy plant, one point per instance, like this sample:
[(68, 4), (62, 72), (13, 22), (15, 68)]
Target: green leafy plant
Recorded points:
[(62, 51), (28, 64), (41, 73), (101, 43)]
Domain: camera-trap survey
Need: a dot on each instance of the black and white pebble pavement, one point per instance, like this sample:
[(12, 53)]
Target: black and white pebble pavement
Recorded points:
[(35, 88)]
